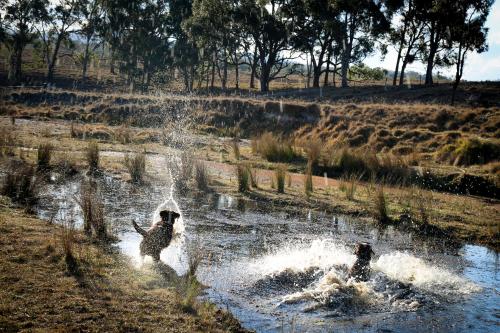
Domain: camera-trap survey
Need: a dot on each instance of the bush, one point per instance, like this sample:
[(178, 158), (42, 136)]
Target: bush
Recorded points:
[(92, 155), (136, 166), (474, 151), (201, 176), (44, 155), (22, 186), (243, 176), (280, 174), (273, 149)]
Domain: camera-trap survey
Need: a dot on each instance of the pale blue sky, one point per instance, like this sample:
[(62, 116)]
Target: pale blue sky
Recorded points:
[(478, 67)]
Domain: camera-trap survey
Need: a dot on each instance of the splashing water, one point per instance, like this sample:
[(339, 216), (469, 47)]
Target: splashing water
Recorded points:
[(409, 269)]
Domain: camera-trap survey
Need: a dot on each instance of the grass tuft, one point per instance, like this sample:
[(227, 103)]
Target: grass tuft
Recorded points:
[(92, 155), (308, 181), (381, 206), (274, 149), (44, 155), (280, 174), (22, 187), (136, 165), (201, 176), (243, 176)]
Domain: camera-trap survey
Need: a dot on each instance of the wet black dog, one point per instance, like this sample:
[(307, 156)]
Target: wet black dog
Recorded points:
[(360, 271), (158, 236)]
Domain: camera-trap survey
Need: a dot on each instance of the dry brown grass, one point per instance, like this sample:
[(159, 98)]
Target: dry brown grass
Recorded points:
[(136, 166)]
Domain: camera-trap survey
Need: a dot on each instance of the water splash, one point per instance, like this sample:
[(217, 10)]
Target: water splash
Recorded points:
[(409, 269)]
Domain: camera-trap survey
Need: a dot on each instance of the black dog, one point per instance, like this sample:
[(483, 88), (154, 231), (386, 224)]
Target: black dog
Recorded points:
[(158, 236), (360, 271)]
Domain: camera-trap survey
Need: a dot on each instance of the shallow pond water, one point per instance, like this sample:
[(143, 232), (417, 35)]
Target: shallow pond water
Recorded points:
[(281, 272)]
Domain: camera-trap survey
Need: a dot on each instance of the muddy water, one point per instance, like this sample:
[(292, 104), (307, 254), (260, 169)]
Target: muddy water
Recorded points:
[(278, 272)]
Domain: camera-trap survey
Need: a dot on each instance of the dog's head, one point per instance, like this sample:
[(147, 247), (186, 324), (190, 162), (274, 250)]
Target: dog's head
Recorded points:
[(168, 216), (364, 251)]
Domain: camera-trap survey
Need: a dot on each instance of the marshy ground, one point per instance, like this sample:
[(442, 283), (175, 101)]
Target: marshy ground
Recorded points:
[(424, 169)]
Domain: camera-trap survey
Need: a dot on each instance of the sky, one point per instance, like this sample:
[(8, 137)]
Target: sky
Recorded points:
[(478, 67)]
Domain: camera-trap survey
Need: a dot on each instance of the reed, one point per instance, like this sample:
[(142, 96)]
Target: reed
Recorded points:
[(243, 176), (44, 155), (92, 155), (136, 165), (280, 175), (201, 176)]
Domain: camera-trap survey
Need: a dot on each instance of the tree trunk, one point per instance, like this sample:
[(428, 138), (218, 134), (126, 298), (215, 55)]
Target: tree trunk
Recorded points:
[(253, 68), (224, 71), (432, 53), (16, 58), (237, 74), (316, 67), (329, 57), (52, 63), (112, 60), (85, 59), (403, 68), (212, 82)]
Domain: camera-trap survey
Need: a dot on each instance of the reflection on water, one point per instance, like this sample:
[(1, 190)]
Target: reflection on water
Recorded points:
[(277, 270)]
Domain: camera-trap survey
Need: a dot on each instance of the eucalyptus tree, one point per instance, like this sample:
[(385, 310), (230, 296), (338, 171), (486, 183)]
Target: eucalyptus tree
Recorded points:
[(92, 15), (315, 27), (212, 28), (63, 16), (467, 33), (20, 21), (268, 27), (363, 22)]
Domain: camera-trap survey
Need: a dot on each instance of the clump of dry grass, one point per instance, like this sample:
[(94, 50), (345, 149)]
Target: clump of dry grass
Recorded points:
[(136, 165), (92, 207), (313, 149), (236, 148), (23, 187), (123, 134), (348, 184), (243, 176), (7, 144), (280, 174), (254, 180), (92, 155), (308, 181), (201, 176), (68, 244), (380, 206), (273, 149), (471, 151), (44, 155)]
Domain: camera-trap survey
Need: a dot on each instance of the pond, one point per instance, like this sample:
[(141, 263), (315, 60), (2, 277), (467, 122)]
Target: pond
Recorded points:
[(277, 271)]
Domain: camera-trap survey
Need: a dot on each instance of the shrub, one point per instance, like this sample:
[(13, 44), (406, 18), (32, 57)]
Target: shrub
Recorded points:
[(123, 134), (381, 206), (93, 211), (475, 151), (136, 166), (273, 149), (243, 176), (92, 155), (44, 155), (201, 176), (22, 186), (280, 174)]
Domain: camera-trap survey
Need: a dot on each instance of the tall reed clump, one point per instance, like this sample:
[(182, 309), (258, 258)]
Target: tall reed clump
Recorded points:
[(280, 174), (351, 184), (44, 154), (236, 149), (201, 176), (313, 149), (7, 144), (136, 165), (243, 176), (380, 206), (68, 243), (183, 171), (92, 155), (92, 207), (22, 186), (274, 149), (308, 181)]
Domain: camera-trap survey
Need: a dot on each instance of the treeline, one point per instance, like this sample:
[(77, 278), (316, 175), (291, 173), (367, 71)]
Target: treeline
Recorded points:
[(200, 39)]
